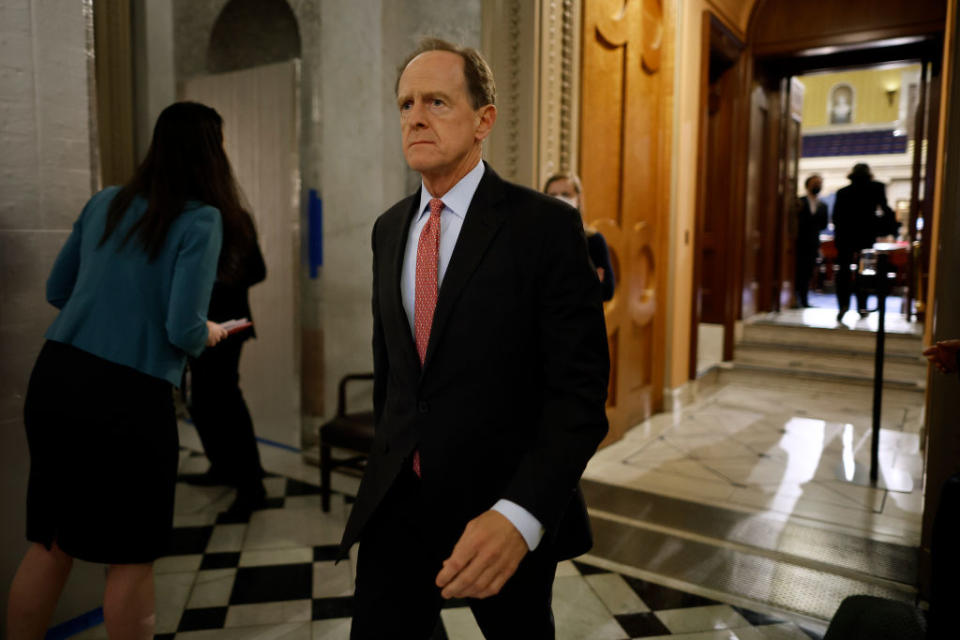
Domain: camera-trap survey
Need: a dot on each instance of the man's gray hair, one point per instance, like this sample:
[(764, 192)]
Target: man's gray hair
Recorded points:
[(476, 71)]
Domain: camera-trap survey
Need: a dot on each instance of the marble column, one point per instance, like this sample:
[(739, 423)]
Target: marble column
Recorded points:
[(45, 179)]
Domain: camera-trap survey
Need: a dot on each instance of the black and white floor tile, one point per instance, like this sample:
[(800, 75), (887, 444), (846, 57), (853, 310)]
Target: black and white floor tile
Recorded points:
[(275, 578)]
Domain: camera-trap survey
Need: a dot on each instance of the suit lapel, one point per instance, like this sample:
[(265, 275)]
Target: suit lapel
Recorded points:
[(399, 316), (480, 225)]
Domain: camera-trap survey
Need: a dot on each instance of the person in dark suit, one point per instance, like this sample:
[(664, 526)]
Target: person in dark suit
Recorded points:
[(490, 377), (811, 219), (856, 227), (217, 406)]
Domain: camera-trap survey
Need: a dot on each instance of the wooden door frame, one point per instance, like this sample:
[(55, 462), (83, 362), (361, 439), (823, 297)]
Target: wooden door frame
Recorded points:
[(733, 268), (701, 195)]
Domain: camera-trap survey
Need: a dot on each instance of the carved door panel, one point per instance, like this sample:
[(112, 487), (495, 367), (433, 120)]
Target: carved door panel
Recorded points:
[(715, 219), (623, 165)]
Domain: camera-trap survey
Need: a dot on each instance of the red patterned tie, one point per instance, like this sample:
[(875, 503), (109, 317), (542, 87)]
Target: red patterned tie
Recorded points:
[(425, 300)]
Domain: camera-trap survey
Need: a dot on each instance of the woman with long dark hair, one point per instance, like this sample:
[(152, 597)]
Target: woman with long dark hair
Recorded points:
[(132, 283)]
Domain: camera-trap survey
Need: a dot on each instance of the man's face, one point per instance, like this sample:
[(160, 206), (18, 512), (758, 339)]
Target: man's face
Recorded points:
[(441, 130), (816, 184)]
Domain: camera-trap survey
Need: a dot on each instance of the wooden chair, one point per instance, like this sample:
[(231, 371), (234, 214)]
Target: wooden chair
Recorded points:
[(351, 431)]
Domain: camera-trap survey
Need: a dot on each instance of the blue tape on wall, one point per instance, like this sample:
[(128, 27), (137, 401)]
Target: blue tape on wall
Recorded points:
[(315, 232)]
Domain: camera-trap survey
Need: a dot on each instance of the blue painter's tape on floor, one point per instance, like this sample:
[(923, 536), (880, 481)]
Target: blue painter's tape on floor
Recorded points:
[(279, 445), (76, 625)]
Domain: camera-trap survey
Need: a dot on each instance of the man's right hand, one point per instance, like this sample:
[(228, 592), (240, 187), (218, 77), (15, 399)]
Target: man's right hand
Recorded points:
[(215, 333)]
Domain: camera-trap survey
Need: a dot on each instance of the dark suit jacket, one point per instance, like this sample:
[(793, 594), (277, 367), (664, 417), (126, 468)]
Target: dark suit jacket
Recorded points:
[(510, 400), (855, 222), (809, 226), (230, 298)]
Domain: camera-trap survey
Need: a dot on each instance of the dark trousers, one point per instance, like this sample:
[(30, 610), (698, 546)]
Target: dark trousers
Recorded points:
[(944, 589), (848, 282), (396, 594), (221, 416), (804, 271)]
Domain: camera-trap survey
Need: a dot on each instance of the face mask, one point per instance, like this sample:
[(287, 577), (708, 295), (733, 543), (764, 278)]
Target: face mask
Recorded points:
[(815, 190), (570, 201)]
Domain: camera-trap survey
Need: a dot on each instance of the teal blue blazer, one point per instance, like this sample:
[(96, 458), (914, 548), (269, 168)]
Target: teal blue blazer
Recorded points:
[(119, 305)]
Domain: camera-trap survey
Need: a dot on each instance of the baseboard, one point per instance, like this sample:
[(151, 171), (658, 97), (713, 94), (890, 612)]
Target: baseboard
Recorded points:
[(691, 391)]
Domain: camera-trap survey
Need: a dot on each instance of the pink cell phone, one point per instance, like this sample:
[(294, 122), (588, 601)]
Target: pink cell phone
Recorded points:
[(233, 326)]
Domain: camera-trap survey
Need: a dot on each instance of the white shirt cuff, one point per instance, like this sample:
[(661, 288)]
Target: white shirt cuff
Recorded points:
[(524, 521)]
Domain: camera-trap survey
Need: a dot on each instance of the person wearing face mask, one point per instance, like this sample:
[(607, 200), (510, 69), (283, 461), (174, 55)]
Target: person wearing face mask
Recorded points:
[(567, 187), (811, 219)]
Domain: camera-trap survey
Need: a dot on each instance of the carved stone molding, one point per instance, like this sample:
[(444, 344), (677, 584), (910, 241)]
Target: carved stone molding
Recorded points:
[(559, 86), (510, 42), (534, 50), (512, 93)]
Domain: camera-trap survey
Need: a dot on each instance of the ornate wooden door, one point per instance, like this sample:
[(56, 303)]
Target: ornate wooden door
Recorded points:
[(624, 164)]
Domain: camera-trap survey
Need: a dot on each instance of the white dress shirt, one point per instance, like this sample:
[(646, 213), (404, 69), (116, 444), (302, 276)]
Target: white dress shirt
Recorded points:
[(456, 201)]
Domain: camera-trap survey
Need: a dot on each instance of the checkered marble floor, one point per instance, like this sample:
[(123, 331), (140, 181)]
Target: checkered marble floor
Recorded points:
[(275, 578)]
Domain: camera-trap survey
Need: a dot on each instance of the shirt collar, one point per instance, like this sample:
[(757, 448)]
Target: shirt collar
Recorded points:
[(458, 199)]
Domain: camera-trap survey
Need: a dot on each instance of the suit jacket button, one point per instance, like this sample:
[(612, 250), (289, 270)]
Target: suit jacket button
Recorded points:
[(423, 406)]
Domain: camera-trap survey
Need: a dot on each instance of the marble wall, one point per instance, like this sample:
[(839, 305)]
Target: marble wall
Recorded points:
[(45, 179)]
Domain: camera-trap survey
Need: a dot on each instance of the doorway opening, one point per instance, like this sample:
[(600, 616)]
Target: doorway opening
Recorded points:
[(873, 107), (876, 119), (792, 116)]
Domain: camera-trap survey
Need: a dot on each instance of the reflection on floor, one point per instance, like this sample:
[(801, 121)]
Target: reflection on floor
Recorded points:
[(777, 448), (275, 578), (829, 301), (744, 494), (825, 318)]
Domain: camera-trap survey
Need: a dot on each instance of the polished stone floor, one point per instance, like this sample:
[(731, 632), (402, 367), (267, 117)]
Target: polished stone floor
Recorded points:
[(781, 446), (826, 318), (274, 577), (764, 462)]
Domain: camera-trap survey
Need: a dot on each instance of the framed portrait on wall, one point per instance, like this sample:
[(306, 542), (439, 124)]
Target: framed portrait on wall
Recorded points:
[(840, 105)]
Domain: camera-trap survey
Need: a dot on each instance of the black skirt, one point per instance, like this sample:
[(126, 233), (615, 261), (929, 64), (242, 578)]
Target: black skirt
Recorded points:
[(103, 458)]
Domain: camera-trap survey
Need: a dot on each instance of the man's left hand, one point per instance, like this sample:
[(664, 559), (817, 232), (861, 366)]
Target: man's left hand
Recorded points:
[(486, 556)]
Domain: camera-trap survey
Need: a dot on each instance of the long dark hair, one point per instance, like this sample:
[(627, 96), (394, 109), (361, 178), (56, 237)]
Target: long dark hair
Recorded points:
[(185, 161)]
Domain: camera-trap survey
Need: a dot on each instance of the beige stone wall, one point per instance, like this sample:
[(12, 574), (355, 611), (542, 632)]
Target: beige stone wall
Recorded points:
[(45, 179)]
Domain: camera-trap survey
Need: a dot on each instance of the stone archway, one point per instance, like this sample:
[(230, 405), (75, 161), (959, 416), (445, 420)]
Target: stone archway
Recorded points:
[(248, 33)]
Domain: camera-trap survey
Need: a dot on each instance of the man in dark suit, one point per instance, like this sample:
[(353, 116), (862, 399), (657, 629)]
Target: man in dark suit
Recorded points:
[(490, 375), (811, 219), (856, 225)]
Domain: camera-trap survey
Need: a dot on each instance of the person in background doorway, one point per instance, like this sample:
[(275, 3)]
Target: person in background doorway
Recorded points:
[(811, 219), (856, 226), (133, 284), (217, 406), (567, 187)]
